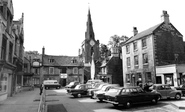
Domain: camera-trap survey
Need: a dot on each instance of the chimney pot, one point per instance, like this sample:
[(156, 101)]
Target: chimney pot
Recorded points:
[(165, 17), (135, 30)]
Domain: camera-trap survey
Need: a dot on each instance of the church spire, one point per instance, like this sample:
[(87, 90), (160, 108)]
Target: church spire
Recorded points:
[(89, 34)]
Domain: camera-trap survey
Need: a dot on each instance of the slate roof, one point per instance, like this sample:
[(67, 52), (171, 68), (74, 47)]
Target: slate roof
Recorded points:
[(61, 60), (143, 33)]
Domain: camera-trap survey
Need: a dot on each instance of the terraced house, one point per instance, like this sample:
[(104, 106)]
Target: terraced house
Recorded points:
[(11, 49), (155, 55)]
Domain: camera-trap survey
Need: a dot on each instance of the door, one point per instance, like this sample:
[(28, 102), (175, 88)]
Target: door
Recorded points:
[(161, 89)]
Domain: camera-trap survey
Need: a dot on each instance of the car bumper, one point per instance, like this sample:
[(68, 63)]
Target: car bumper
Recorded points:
[(112, 102)]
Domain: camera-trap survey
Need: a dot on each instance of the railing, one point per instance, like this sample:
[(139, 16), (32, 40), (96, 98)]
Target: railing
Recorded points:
[(42, 103)]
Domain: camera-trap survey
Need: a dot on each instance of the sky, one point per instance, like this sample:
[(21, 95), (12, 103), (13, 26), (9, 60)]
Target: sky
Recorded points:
[(60, 25)]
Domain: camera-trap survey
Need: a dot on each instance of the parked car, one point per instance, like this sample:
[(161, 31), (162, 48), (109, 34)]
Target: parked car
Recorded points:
[(100, 94), (128, 96), (94, 81), (51, 84), (71, 85), (80, 90), (182, 88), (166, 91), (97, 87)]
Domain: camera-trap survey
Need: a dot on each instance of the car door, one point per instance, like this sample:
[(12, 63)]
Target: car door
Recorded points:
[(136, 96), (161, 89), (168, 90), (143, 96)]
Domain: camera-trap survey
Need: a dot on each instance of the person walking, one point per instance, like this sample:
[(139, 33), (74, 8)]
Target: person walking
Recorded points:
[(41, 88)]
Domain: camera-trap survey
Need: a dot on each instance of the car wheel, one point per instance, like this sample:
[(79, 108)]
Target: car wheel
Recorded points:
[(159, 98), (154, 100), (115, 105), (177, 96), (100, 99), (128, 104), (79, 95)]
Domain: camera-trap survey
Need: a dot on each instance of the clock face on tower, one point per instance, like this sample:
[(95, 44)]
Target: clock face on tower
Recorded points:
[(92, 42)]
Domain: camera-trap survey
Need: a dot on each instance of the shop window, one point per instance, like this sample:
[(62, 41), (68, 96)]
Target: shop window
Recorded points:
[(128, 78), (3, 82), (169, 79), (158, 80)]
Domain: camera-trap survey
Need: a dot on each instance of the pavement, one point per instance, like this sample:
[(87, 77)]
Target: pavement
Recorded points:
[(25, 101), (28, 101)]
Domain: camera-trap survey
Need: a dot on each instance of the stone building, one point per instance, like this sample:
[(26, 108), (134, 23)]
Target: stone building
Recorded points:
[(62, 68), (148, 56), (11, 50)]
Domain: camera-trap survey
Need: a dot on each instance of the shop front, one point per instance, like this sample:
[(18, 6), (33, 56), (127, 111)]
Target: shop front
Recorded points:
[(171, 74)]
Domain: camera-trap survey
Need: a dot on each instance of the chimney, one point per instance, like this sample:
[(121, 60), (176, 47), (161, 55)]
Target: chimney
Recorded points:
[(135, 30), (165, 17), (43, 51)]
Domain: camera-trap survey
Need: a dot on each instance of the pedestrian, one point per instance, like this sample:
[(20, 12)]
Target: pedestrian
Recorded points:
[(41, 88)]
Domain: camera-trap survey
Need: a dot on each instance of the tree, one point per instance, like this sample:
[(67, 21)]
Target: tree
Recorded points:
[(104, 52)]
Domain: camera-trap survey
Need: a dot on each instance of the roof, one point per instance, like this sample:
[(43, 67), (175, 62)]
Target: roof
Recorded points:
[(143, 33), (61, 60)]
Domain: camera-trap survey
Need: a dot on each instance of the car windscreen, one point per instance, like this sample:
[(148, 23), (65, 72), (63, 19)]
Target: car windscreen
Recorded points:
[(71, 83), (78, 87), (104, 88), (114, 90)]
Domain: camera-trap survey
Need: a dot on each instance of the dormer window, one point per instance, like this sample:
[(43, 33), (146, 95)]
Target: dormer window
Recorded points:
[(73, 60), (51, 60)]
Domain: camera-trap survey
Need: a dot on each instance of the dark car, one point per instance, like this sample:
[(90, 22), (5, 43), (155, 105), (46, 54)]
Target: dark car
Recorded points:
[(130, 95), (80, 90), (182, 88), (166, 91), (71, 85)]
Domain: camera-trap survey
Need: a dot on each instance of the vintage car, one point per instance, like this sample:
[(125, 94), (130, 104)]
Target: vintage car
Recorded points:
[(97, 87), (80, 90), (100, 94), (127, 96), (182, 88), (166, 91), (71, 85)]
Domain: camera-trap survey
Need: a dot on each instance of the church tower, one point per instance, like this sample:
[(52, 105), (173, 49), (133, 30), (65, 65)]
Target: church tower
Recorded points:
[(90, 45)]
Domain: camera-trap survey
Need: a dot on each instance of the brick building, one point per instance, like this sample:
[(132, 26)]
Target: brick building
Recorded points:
[(150, 55)]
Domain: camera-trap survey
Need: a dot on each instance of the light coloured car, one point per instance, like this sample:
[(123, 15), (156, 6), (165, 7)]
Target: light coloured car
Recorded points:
[(166, 91)]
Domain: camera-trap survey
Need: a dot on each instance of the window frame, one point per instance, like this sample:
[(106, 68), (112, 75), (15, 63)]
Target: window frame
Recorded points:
[(144, 43), (135, 46), (4, 47), (144, 58), (128, 62), (127, 48), (136, 64), (51, 70), (75, 70)]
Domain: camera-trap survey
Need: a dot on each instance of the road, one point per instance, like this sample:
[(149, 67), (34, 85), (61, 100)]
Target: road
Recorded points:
[(57, 99)]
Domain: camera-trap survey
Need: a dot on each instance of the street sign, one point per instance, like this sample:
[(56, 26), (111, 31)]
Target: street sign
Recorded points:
[(64, 76)]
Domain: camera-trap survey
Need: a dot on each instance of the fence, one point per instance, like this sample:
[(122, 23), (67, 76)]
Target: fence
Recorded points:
[(42, 103)]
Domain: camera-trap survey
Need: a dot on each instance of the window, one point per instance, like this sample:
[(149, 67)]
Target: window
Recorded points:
[(63, 70), (3, 48), (51, 60), (128, 78), (10, 52), (136, 61), (75, 70), (51, 70), (127, 49), (145, 58), (135, 46), (144, 45), (128, 61), (3, 82), (149, 76)]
